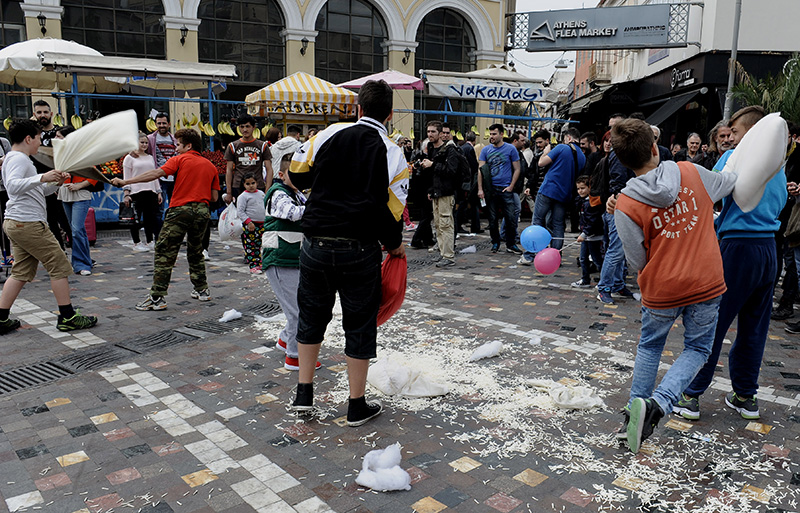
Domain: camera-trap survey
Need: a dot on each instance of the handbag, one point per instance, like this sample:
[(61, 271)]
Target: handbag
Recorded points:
[(792, 233)]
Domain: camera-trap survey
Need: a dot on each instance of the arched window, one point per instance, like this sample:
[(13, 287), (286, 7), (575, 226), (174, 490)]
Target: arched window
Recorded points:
[(13, 22), (246, 34), (446, 43), (122, 28), (350, 40)]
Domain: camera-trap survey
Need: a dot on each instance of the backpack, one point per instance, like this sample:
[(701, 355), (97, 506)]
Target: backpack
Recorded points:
[(599, 183), (464, 172)]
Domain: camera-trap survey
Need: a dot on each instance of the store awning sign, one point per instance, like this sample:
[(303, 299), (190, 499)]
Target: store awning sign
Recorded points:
[(641, 26)]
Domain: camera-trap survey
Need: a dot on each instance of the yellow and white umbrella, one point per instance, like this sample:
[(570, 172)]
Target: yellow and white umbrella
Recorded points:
[(302, 93)]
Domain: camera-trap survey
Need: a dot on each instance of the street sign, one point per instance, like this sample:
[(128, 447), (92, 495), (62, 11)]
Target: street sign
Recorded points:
[(607, 28)]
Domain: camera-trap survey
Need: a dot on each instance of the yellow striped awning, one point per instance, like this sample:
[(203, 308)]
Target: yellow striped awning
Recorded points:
[(302, 93)]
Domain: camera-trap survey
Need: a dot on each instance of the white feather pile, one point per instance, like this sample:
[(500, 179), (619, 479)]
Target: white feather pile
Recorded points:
[(381, 470), (230, 315), (487, 350)]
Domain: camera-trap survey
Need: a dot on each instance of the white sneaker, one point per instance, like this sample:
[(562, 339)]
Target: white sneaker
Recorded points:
[(140, 247), (206, 256), (85, 272), (524, 261), (151, 245)]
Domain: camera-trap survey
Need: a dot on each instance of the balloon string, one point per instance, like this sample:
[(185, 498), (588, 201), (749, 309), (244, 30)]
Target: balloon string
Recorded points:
[(568, 245)]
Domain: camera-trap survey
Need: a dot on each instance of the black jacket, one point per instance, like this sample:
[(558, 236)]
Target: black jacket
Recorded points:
[(445, 176), (591, 218)]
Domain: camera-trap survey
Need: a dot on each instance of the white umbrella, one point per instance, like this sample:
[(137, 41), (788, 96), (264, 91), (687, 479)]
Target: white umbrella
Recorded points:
[(20, 64), (171, 87)]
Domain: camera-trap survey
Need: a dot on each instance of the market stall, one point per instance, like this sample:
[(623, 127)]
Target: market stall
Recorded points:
[(302, 98)]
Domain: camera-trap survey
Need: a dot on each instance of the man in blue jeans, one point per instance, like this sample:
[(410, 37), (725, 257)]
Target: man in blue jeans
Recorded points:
[(358, 179), (665, 222), (747, 244), (503, 161), (557, 191)]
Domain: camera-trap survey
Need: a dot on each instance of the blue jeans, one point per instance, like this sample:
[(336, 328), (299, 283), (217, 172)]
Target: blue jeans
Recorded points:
[(612, 275), (699, 323), (750, 266), (557, 211), (517, 212), (351, 268), (503, 204), (76, 213)]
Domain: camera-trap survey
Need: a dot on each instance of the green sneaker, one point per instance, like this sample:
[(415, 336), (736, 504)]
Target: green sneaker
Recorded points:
[(746, 406), (8, 325), (76, 322), (622, 433), (644, 417), (687, 407)]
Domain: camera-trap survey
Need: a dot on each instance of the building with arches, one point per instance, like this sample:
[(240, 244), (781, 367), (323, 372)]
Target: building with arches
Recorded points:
[(336, 40)]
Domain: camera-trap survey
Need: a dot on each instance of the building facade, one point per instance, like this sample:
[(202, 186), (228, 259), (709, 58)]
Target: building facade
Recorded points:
[(336, 40), (683, 89)]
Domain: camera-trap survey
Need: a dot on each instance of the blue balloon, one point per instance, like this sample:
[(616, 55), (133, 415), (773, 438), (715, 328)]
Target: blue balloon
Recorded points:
[(535, 238)]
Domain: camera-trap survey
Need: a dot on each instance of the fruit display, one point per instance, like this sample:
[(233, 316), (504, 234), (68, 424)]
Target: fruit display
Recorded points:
[(151, 125), (218, 159), (76, 121), (112, 168)]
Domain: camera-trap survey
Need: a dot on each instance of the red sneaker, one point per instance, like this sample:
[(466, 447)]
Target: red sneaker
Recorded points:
[(294, 364), (281, 345)]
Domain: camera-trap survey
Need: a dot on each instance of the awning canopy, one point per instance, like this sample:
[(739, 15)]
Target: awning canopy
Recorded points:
[(20, 63), (395, 79), (495, 83), (670, 107), (145, 76), (581, 104), (302, 93)]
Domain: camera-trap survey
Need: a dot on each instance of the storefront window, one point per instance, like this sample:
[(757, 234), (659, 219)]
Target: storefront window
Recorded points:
[(13, 22), (246, 34), (350, 41), (446, 42), (122, 28)]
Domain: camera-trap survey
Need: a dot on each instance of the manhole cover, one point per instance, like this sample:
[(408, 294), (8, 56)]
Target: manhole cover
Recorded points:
[(155, 341), (219, 328), (93, 359), (32, 375), (266, 309)]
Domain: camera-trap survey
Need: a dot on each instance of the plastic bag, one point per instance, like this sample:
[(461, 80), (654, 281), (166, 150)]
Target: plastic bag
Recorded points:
[(108, 138), (230, 226), (127, 214), (392, 377), (394, 272)]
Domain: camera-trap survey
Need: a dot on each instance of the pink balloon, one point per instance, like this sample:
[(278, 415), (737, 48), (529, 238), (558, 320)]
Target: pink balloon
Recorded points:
[(547, 261)]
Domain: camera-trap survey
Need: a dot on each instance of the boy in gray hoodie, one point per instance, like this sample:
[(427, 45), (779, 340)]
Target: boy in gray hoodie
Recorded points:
[(664, 218)]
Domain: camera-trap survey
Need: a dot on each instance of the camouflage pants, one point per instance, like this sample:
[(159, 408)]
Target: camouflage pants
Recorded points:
[(188, 220)]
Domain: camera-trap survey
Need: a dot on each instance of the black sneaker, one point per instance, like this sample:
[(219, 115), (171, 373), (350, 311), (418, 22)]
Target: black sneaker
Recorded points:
[(495, 248), (8, 325), (624, 293), (687, 407), (645, 414), (446, 262), (372, 410), (622, 433), (76, 322), (746, 406), (782, 313), (792, 327), (304, 401), (514, 249)]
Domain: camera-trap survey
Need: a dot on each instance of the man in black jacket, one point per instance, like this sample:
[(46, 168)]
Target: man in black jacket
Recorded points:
[(468, 206), (443, 161), (358, 179)]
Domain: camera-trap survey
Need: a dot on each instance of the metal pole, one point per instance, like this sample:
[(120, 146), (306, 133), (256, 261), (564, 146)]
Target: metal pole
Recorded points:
[(211, 113), (737, 15), (75, 101)]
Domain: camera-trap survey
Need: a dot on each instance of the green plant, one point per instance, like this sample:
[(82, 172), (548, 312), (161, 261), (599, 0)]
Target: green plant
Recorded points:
[(776, 93)]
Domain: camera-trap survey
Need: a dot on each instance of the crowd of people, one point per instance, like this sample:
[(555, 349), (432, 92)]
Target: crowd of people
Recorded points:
[(317, 231)]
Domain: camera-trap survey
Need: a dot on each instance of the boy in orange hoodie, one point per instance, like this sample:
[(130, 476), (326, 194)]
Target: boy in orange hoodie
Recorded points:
[(665, 220)]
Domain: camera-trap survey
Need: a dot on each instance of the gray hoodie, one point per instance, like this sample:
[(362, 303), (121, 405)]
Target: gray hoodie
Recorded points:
[(659, 188)]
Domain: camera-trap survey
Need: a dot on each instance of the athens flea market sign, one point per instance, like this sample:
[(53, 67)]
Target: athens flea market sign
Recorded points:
[(641, 26)]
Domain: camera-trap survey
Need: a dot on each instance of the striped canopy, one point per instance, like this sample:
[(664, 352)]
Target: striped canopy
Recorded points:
[(302, 93)]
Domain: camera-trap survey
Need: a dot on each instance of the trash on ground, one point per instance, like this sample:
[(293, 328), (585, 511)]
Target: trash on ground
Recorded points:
[(381, 470)]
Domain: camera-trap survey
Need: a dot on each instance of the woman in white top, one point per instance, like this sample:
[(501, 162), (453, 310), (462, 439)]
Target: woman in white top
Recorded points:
[(146, 196)]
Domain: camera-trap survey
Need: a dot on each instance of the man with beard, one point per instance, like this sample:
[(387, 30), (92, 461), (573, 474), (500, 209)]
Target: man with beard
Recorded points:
[(44, 116), (720, 140)]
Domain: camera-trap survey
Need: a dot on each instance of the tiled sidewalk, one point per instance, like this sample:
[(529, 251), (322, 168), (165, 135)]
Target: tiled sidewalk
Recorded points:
[(203, 427)]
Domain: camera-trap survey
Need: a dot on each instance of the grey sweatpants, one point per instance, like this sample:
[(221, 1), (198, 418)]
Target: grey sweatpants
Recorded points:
[(284, 282)]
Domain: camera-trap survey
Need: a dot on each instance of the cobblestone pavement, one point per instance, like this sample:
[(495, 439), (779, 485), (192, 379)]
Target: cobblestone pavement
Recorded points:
[(173, 411)]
